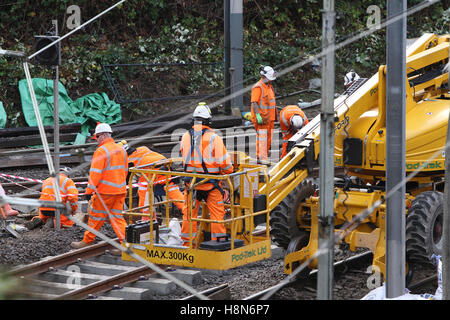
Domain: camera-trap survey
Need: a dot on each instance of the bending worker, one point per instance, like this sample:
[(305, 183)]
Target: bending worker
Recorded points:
[(263, 111), (203, 151), (292, 119), (142, 157), (69, 194), (107, 186)]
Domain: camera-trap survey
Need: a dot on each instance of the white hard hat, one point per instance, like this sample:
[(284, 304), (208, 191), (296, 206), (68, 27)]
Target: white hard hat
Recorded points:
[(350, 77), (202, 111), (102, 127), (268, 72), (296, 122)]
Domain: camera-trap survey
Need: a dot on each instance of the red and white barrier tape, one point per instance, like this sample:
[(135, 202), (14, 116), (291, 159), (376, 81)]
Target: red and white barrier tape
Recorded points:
[(21, 178), (6, 176)]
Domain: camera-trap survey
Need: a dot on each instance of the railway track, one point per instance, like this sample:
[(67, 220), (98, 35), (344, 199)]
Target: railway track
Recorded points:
[(87, 273), (355, 269), (363, 259), (77, 154), (93, 273)]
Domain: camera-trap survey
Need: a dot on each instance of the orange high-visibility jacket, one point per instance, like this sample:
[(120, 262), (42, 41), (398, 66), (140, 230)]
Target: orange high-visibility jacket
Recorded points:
[(285, 120), (207, 152), (109, 168), (67, 189), (142, 157), (264, 96)]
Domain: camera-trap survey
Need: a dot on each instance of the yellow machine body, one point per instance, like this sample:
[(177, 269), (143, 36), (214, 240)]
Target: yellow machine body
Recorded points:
[(201, 258), (242, 186)]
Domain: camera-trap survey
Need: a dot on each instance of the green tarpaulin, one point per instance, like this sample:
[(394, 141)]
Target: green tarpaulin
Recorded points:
[(2, 116), (87, 110)]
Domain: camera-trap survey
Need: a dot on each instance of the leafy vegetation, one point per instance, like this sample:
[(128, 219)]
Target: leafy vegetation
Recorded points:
[(278, 33)]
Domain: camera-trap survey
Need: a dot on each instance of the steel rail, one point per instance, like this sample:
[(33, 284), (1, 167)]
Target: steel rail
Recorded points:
[(61, 260)]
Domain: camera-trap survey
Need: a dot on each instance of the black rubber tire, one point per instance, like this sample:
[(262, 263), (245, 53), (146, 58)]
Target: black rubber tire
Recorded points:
[(424, 225), (283, 220)]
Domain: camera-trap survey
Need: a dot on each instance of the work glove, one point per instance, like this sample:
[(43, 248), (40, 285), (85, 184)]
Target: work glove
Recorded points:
[(259, 119), (88, 197), (73, 207)]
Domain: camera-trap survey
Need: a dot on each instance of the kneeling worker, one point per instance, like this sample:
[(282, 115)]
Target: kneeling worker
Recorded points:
[(142, 157), (69, 194), (292, 119), (107, 186), (203, 151)]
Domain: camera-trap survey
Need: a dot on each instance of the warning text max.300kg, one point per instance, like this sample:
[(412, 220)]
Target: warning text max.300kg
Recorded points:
[(182, 256)]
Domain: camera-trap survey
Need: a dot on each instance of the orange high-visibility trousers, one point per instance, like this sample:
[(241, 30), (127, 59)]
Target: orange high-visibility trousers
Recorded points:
[(63, 220), (174, 193), (284, 150), (263, 140), (214, 203), (285, 144), (98, 214)]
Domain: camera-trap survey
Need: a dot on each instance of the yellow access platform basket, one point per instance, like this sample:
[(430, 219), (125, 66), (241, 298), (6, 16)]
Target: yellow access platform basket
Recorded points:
[(244, 207)]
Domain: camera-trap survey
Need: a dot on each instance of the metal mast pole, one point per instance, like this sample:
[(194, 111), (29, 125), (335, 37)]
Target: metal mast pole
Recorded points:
[(236, 51), (395, 148), (446, 218), (326, 158), (226, 70), (56, 128)]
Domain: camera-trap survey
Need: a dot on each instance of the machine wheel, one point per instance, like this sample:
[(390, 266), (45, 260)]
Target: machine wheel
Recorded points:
[(297, 244), (283, 219), (424, 226)]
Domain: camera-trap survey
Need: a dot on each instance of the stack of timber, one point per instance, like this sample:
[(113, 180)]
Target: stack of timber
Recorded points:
[(29, 136)]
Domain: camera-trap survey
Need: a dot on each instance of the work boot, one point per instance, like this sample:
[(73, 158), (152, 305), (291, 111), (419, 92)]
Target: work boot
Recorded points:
[(80, 244), (34, 223)]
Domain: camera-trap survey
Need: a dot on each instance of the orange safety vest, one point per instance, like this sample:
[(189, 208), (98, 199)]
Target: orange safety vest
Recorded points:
[(109, 168), (141, 158), (264, 96), (67, 189), (203, 151), (285, 120)]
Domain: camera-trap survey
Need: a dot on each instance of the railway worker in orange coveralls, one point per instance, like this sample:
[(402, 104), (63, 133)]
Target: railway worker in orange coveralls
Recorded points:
[(292, 119), (263, 111), (69, 194), (107, 186), (141, 157), (7, 208), (203, 151)]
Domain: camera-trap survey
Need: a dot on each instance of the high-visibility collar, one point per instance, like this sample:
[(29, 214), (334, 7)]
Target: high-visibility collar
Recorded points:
[(106, 141), (200, 127)]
